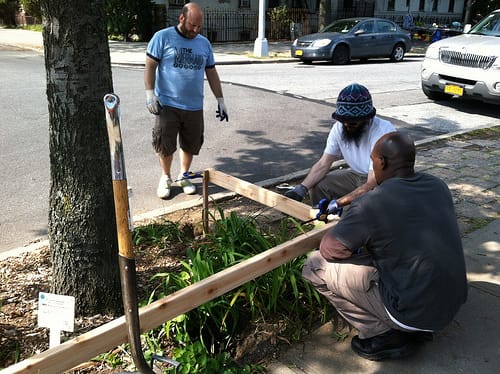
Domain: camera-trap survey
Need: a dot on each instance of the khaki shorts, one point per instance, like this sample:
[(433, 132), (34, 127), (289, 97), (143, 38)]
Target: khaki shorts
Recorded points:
[(173, 122)]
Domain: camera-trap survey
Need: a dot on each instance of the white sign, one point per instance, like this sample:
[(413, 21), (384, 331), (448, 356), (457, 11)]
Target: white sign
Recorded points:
[(56, 311)]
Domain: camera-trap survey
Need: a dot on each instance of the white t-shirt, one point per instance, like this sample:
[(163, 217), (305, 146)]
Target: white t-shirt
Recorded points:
[(357, 156)]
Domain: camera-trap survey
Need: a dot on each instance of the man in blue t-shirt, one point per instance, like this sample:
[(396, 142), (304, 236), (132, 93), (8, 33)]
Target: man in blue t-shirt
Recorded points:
[(393, 266), (177, 60)]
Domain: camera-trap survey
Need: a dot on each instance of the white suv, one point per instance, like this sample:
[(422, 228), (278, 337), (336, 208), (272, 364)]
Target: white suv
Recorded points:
[(467, 65)]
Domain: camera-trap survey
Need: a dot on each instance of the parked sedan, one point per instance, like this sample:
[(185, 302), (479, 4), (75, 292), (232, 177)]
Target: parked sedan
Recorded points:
[(353, 38)]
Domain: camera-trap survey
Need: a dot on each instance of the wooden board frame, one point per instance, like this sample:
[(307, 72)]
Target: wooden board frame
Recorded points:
[(86, 346)]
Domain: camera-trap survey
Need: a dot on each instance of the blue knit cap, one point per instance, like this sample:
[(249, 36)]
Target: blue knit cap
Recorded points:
[(354, 104)]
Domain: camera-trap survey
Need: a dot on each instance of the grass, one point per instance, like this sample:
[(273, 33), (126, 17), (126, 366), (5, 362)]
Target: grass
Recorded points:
[(32, 27)]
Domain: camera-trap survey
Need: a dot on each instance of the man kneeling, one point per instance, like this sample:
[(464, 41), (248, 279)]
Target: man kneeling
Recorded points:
[(393, 266)]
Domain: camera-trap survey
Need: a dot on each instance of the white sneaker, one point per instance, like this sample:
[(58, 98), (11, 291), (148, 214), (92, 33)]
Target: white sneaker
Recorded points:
[(164, 187), (187, 187)]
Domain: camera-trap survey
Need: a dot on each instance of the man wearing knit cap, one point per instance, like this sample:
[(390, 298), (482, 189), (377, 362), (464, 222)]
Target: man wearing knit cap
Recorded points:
[(352, 138)]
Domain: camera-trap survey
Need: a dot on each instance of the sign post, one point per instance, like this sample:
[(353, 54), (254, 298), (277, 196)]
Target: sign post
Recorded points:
[(57, 313)]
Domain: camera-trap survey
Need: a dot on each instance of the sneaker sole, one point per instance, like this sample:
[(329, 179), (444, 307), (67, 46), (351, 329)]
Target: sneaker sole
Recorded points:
[(400, 352), (163, 196), (189, 190)]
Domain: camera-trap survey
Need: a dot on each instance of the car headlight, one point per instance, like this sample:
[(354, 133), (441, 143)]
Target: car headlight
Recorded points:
[(321, 43)]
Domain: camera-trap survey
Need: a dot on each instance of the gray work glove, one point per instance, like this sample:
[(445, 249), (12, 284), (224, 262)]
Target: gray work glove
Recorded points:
[(298, 193), (221, 112), (152, 102)]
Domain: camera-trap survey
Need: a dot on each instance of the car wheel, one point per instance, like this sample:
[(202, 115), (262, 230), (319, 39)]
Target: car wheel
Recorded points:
[(341, 55), (398, 53), (434, 95)]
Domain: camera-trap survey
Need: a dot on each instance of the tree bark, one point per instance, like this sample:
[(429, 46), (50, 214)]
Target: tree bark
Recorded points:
[(82, 229)]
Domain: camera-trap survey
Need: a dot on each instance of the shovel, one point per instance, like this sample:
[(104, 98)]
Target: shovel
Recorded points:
[(126, 258)]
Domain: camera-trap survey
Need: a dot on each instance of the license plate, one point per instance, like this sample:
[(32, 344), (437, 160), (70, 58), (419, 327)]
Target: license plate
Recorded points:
[(298, 52), (454, 90)]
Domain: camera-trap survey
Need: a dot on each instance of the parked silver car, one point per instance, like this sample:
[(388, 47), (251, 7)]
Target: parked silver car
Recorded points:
[(467, 65), (353, 38)]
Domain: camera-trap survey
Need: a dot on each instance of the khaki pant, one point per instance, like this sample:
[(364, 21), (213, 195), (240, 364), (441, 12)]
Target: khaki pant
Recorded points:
[(337, 184), (352, 287)]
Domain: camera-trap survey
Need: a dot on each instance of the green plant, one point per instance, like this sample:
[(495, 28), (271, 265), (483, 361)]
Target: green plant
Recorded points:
[(129, 19), (111, 358), (157, 233), (280, 21), (202, 338), (281, 292)]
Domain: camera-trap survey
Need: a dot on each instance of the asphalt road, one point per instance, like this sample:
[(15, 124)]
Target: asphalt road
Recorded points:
[(279, 119)]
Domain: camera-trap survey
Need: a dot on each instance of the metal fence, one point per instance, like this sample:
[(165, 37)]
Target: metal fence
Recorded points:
[(230, 25), (421, 18), (225, 25)]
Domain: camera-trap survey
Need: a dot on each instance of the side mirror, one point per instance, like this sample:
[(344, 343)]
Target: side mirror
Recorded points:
[(467, 28)]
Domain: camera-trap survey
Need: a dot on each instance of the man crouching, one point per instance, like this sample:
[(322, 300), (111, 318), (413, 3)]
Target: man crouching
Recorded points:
[(393, 266)]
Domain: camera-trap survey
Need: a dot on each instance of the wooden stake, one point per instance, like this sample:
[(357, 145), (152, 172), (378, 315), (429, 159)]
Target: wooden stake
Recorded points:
[(264, 196)]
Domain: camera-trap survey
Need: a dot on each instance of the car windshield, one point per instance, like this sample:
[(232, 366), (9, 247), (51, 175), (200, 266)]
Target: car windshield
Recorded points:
[(490, 25), (343, 26)]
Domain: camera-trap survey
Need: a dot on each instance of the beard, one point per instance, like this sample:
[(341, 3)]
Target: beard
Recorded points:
[(353, 134)]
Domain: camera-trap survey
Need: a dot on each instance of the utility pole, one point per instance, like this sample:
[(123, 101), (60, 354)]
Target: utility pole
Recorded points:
[(260, 48)]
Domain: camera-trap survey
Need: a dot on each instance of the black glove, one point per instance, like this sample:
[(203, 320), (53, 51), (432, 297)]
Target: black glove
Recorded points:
[(298, 193)]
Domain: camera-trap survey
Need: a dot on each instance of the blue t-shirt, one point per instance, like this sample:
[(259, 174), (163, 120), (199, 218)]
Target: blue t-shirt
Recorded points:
[(181, 67)]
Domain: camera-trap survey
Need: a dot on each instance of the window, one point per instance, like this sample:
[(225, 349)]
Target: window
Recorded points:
[(367, 27), (244, 3), (421, 5), (434, 5), (390, 4), (451, 6), (384, 26)]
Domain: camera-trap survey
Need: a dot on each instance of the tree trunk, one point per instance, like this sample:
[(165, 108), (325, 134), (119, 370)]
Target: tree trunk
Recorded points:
[(82, 229)]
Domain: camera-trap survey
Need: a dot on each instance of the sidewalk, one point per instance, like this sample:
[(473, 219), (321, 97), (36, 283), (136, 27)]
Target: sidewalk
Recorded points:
[(134, 53), (471, 344)]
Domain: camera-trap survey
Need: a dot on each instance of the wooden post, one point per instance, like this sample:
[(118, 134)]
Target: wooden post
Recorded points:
[(205, 182)]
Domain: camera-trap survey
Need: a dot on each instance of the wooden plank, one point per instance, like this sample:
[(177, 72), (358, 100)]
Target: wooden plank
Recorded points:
[(261, 195), (114, 333)]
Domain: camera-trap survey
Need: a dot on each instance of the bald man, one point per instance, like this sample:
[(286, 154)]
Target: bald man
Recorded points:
[(177, 59), (393, 266)]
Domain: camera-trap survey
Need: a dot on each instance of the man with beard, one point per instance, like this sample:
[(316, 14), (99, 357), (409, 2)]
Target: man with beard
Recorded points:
[(177, 59), (352, 138)]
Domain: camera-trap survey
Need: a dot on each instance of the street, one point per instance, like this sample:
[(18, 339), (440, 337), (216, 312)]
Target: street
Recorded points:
[(279, 116)]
